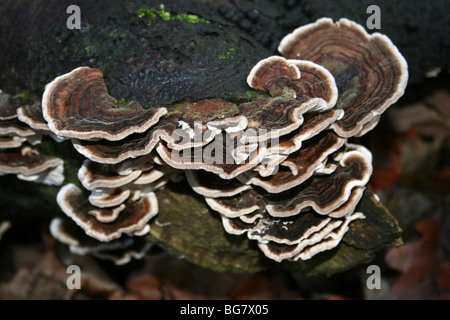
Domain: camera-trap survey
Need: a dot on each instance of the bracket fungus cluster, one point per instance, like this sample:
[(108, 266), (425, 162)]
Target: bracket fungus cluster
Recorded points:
[(278, 168), (301, 197), (21, 129)]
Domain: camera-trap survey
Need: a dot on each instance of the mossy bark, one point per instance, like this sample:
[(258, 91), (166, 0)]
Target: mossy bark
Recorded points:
[(135, 52)]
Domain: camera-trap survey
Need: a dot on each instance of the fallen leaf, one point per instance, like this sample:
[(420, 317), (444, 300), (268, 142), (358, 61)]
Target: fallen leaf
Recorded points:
[(169, 278), (41, 275), (424, 275), (259, 287), (429, 117)]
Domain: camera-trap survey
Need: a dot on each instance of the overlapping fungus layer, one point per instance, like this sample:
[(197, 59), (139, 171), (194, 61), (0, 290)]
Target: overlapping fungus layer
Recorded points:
[(278, 168)]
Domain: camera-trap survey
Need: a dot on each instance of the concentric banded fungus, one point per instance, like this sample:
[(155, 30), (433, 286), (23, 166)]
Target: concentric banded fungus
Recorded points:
[(111, 185), (315, 82), (302, 164), (277, 168), (197, 124), (32, 116), (11, 142), (107, 215), (113, 152), (216, 157), (211, 186), (272, 75), (325, 239), (322, 193), (266, 117), (15, 127), (326, 193), (77, 105), (290, 230), (28, 164), (96, 175), (300, 236), (51, 176), (370, 72), (105, 198), (14, 133), (134, 215), (298, 166), (230, 155), (157, 174), (305, 78), (120, 251)]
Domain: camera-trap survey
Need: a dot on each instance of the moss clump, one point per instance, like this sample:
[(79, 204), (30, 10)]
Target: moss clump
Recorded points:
[(229, 55), (90, 50), (166, 16)]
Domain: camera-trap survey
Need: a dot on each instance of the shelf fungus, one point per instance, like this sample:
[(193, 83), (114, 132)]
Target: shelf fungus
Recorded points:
[(301, 198), (117, 201), (14, 133), (72, 105), (106, 224), (29, 165), (370, 72), (110, 214), (278, 167), (120, 251), (18, 154)]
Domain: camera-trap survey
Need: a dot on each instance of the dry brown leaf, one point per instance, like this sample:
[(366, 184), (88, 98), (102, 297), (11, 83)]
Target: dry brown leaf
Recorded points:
[(259, 287), (41, 275), (429, 117), (424, 276), (166, 277), (387, 149)]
